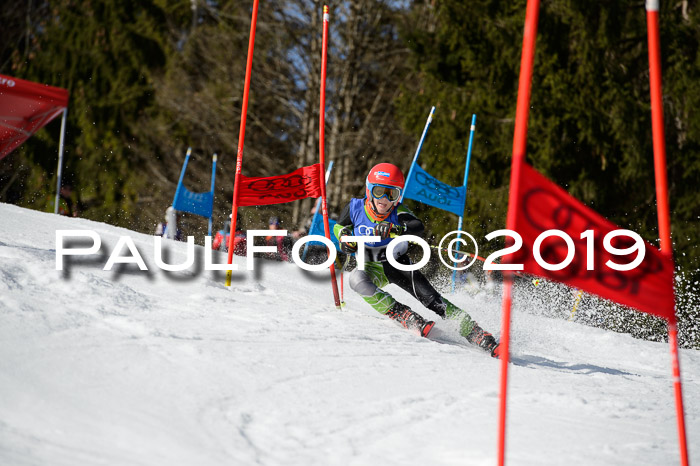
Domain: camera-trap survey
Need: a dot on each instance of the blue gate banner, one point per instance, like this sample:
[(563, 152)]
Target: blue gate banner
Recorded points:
[(194, 203), (317, 229), (423, 187)]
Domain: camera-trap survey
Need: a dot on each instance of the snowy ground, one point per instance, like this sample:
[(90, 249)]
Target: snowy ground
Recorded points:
[(134, 367)]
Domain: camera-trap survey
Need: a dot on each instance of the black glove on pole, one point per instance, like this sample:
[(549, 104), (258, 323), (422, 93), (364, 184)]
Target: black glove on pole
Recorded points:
[(383, 230)]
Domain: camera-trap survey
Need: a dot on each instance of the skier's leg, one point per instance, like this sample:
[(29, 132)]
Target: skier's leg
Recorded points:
[(415, 283), (468, 328), (367, 284)]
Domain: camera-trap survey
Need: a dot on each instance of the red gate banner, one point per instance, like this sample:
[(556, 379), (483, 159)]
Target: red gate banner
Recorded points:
[(301, 183), (542, 205), (25, 108)]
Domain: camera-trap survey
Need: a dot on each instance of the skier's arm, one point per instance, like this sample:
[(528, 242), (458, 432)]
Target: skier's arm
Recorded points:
[(410, 223), (343, 221), (343, 227)]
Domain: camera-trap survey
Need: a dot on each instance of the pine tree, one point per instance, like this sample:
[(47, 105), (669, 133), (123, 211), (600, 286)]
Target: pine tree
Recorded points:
[(105, 53)]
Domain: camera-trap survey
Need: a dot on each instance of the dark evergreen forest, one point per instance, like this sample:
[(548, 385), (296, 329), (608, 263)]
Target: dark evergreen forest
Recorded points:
[(149, 78)]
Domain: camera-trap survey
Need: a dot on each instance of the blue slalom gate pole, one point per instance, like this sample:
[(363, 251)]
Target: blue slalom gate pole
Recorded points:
[(182, 174), (420, 146), (213, 181), (316, 210), (466, 178)]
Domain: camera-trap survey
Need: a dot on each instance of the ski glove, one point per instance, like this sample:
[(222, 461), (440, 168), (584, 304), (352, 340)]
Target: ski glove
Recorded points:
[(386, 229), (383, 230), (347, 248)]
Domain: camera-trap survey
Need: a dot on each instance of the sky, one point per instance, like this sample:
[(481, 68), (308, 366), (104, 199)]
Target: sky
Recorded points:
[(152, 367)]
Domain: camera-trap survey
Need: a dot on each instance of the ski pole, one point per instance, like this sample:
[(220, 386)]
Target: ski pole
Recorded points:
[(454, 251), (342, 269), (395, 233)]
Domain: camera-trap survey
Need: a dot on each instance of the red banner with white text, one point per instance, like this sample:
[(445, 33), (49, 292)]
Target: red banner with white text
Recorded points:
[(301, 183), (543, 205)]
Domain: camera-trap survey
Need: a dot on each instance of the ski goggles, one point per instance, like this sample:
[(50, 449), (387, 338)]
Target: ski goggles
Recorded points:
[(379, 191)]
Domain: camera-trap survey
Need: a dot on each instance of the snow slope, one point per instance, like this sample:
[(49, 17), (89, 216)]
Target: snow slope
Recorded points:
[(134, 367)]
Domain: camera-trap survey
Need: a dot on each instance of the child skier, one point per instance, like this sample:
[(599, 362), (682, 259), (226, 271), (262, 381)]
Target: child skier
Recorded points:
[(381, 214)]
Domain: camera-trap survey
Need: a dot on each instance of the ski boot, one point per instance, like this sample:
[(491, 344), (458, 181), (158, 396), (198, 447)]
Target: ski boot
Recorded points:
[(483, 340), (409, 319)]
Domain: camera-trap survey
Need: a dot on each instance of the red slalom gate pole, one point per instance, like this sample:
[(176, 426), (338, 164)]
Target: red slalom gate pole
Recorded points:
[(519, 151), (322, 146), (241, 137), (664, 218)]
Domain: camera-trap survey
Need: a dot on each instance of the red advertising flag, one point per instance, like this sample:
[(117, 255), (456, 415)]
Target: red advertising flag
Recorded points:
[(301, 183), (542, 206)]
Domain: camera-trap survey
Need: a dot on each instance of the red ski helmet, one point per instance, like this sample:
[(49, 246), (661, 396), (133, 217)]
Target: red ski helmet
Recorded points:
[(385, 179)]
